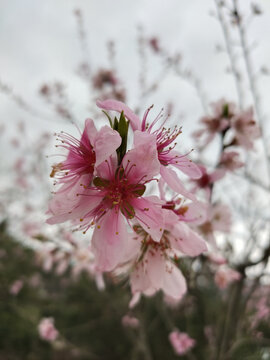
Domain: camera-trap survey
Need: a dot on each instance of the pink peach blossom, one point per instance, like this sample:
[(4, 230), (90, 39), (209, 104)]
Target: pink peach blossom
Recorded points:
[(165, 143), (115, 199), (155, 268), (76, 172), (156, 272), (120, 200)]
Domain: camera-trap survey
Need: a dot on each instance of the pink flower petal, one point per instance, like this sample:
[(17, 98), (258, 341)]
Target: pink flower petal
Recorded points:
[(138, 280), (134, 300), (174, 282), (108, 241), (106, 142), (118, 106), (217, 175), (184, 164), (149, 215), (65, 206), (106, 169), (171, 178), (143, 158), (186, 240), (196, 213), (90, 131), (156, 268)]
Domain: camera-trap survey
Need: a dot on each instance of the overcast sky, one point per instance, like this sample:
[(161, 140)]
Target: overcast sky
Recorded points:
[(39, 43)]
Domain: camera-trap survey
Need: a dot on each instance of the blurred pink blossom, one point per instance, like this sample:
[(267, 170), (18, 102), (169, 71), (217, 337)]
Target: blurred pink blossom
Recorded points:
[(181, 342), (225, 275), (16, 287), (245, 129), (229, 160), (219, 218), (46, 329), (30, 228), (216, 123), (217, 258), (154, 44), (104, 77), (206, 181)]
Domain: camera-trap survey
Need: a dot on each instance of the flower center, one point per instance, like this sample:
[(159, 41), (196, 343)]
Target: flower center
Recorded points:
[(204, 181), (119, 193)]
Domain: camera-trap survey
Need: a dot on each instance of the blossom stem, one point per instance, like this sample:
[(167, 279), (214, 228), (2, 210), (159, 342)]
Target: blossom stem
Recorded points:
[(228, 44), (230, 324), (252, 83)]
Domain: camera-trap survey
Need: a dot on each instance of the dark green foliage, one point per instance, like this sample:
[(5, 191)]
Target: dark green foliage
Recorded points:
[(89, 320)]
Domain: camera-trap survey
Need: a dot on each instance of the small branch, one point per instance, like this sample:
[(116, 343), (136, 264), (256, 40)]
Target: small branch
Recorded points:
[(82, 36), (264, 259), (228, 44), (252, 83), (188, 76), (231, 319), (20, 101)]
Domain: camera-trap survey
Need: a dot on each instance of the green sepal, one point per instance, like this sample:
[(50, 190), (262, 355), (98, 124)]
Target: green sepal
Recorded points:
[(121, 126), (109, 118), (226, 110)]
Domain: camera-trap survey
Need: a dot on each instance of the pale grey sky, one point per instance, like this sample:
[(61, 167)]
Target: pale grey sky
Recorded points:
[(39, 43)]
